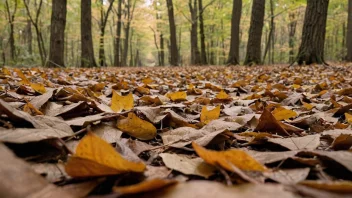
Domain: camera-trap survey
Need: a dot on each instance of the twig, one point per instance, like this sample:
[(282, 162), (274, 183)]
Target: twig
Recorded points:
[(227, 177)]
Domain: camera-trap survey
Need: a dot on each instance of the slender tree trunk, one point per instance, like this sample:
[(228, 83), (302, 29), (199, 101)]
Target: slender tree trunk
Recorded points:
[(313, 36), (195, 53), (35, 22), (117, 59), (11, 20), (292, 31), (253, 55), (57, 36), (235, 33), (173, 41), (202, 34), (87, 50), (349, 32), (269, 45), (29, 37), (162, 52), (103, 21)]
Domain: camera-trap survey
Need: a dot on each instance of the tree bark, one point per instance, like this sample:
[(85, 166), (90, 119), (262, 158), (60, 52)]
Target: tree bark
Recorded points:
[(349, 32), (87, 50), (117, 59), (57, 33), (35, 22), (269, 46), (195, 53), (311, 50), (253, 55), (162, 52), (235, 33), (103, 21), (292, 31), (204, 60), (11, 19), (173, 40)]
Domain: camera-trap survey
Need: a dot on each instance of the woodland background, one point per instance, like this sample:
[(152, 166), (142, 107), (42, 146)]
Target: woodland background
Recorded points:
[(145, 33)]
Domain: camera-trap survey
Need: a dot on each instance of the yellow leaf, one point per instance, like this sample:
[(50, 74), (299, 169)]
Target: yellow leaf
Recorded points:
[(177, 96), (222, 95), (144, 187), (228, 159), (348, 118), (22, 76), (29, 108), (143, 90), (308, 106), (120, 103), (136, 127), (281, 113), (147, 81), (95, 157), (208, 115), (337, 186), (6, 71), (38, 88), (295, 86)]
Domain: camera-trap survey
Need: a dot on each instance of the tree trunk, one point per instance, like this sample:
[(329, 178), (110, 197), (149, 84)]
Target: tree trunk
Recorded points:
[(313, 36), (117, 59), (292, 31), (235, 33), (349, 32), (270, 42), (162, 52), (173, 40), (253, 55), (57, 33), (35, 22), (195, 53), (103, 21), (87, 50), (202, 34), (11, 19), (29, 37)]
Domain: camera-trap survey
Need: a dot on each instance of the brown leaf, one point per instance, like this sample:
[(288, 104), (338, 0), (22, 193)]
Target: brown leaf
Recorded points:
[(187, 165), (19, 180), (309, 142)]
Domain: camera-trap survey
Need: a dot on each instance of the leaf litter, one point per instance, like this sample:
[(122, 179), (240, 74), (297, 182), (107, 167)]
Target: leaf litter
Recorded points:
[(161, 132)]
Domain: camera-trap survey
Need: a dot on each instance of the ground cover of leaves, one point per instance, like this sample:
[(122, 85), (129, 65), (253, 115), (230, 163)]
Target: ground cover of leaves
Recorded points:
[(176, 132)]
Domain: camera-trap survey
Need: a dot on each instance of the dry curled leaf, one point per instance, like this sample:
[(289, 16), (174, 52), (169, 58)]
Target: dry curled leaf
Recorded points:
[(120, 103), (95, 157), (136, 127), (208, 115), (229, 159)]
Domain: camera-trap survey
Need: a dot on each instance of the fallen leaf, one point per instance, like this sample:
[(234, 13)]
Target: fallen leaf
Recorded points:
[(228, 159), (40, 88), (95, 157), (136, 127), (209, 189), (309, 142), (144, 187), (23, 135), (281, 113), (19, 180), (208, 115), (177, 96), (120, 103), (187, 165), (289, 176), (268, 123), (336, 186), (348, 118)]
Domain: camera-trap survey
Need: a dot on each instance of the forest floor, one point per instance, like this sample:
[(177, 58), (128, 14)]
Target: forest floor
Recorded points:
[(176, 132)]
